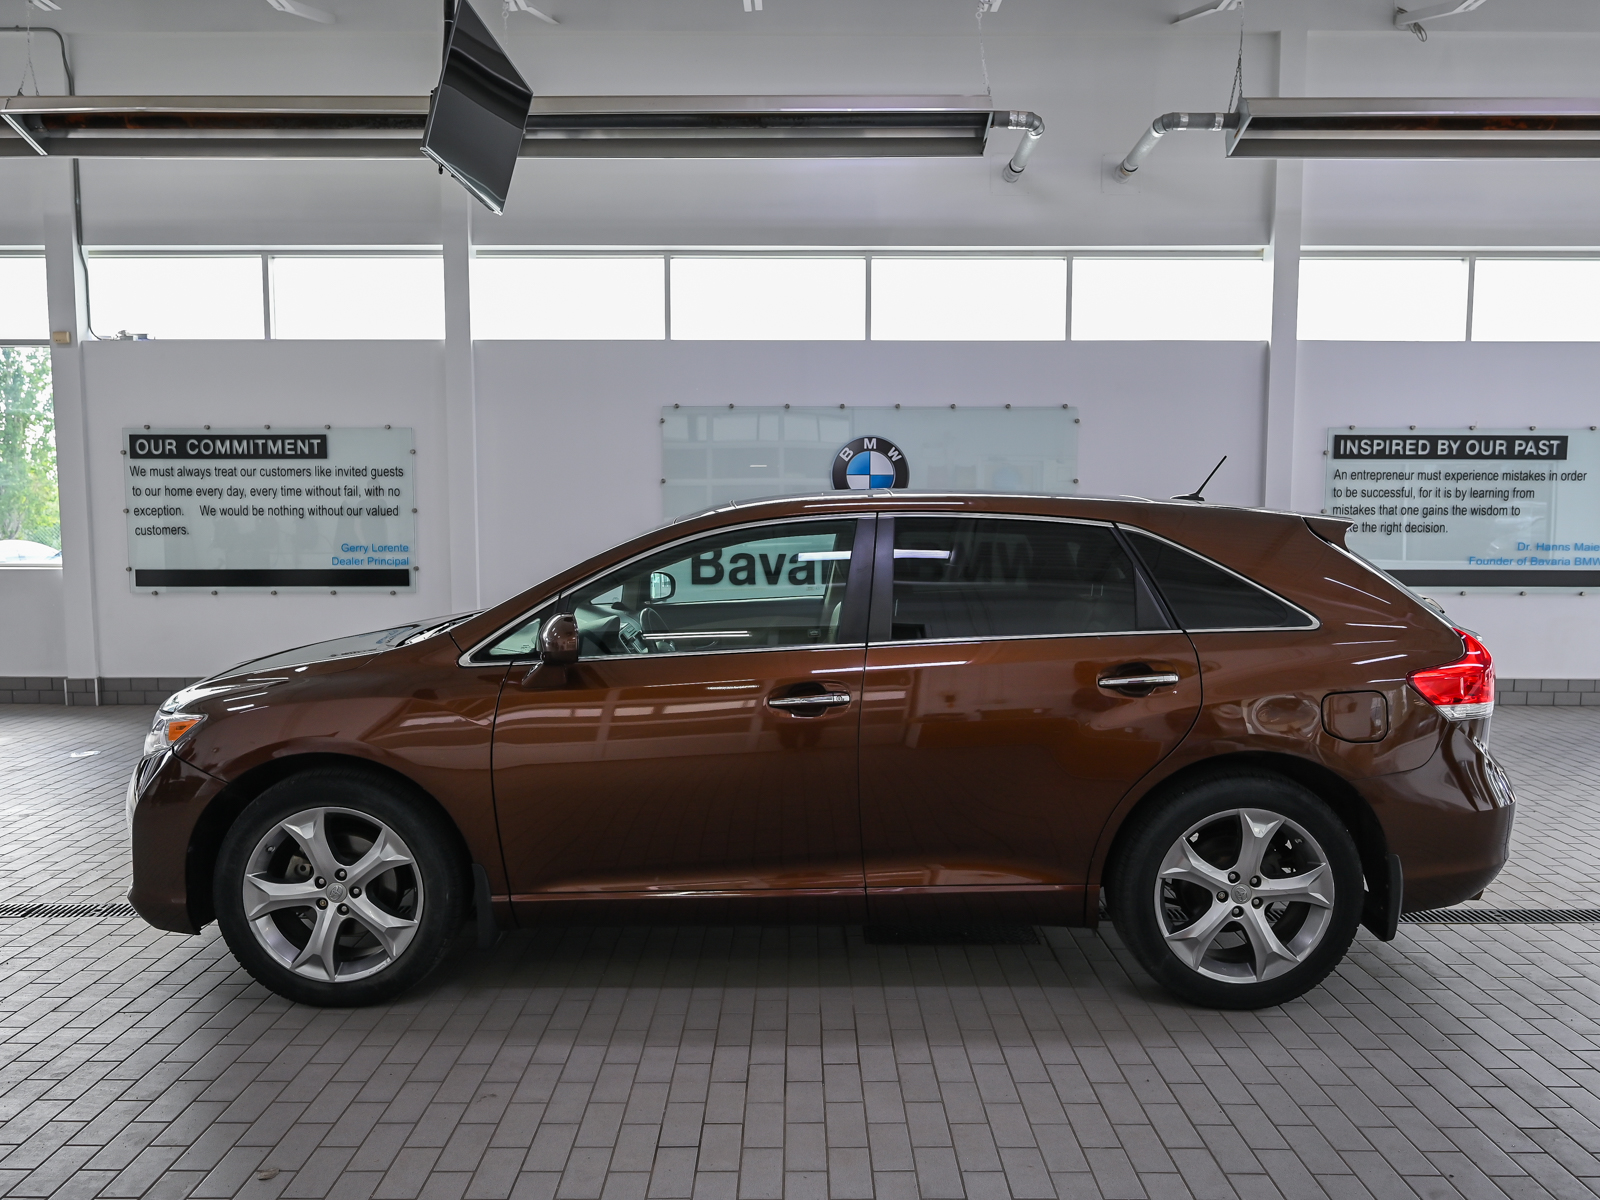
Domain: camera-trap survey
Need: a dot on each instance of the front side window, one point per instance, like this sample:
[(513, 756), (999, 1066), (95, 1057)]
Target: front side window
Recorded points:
[(971, 577), (756, 588), (1203, 595)]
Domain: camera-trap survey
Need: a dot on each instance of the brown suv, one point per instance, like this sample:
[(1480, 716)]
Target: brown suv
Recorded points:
[(856, 707)]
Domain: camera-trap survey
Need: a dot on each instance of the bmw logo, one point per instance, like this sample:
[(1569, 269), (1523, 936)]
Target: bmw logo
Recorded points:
[(870, 462)]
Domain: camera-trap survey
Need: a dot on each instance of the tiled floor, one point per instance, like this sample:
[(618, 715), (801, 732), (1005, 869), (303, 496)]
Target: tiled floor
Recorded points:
[(1456, 1060)]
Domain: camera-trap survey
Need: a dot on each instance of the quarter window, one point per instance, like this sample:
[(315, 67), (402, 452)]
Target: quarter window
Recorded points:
[(745, 589), (963, 577), (1203, 596)]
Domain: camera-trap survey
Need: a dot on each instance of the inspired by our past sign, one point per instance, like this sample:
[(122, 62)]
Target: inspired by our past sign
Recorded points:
[(1482, 508)]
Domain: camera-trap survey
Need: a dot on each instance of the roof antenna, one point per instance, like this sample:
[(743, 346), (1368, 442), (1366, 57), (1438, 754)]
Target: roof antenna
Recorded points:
[(1195, 495)]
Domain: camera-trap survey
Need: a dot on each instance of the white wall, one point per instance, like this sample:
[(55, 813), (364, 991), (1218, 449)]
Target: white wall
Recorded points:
[(1156, 415), (570, 452), (33, 637), (240, 384), (1488, 384)]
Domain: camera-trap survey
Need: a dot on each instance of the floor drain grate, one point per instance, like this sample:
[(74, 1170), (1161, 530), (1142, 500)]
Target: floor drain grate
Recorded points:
[(1503, 916), (65, 910)]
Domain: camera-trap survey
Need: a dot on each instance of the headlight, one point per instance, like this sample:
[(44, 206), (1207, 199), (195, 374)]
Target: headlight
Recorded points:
[(170, 729)]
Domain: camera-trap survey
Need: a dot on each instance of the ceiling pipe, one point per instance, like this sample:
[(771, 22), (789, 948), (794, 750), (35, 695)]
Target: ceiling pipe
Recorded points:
[(1172, 122), (1033, 123)]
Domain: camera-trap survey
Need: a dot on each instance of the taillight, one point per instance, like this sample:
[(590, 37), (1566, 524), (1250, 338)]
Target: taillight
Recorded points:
[(1461, 690)]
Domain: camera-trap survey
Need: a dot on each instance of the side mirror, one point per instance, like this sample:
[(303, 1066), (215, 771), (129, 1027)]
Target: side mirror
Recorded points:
[(558, 640), (662, 586), (558, 651)]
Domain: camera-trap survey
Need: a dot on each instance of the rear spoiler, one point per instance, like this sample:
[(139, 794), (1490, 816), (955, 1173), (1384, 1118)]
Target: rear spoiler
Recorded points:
[(1330, 529)]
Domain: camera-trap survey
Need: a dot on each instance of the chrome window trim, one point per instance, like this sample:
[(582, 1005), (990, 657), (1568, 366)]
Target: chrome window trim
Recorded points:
[(1025, 637), (1316, 622), (468, 659), (657, 656), (1021, 637)]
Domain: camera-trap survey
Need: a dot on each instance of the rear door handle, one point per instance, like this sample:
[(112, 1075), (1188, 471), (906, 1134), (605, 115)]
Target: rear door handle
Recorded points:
[(820, 700)]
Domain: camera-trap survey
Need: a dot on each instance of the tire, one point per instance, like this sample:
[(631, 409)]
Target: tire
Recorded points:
[(384, 866), (1258, 945)]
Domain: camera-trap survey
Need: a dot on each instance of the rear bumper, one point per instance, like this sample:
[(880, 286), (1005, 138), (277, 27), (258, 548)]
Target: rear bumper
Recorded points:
[(1449, 821), (166, 798)]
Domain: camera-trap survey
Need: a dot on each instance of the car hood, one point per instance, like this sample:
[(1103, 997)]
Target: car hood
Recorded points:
[(340, 653)]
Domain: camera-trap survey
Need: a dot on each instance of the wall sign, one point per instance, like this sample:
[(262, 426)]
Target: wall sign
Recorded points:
[(266, 508), (713, 455), (1471, 508)]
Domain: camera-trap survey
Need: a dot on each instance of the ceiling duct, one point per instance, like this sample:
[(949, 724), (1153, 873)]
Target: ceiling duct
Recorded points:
[(390, 127), (1408, 127)]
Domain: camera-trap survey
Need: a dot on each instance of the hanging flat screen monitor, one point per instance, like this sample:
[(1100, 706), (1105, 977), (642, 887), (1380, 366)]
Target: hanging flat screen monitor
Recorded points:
[(479, 112)]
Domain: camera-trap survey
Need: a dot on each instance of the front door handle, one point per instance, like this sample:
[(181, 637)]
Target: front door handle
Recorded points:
[(819, 700), (1137, 679)]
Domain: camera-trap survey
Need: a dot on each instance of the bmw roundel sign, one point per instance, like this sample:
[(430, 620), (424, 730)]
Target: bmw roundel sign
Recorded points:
[(870, 462)]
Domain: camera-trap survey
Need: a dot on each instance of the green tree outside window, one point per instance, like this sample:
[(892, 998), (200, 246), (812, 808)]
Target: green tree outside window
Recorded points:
[(30, 508)]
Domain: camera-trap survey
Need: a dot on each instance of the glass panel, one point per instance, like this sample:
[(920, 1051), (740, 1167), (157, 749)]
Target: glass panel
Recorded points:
[(1536, 300), (1202, 595), (1171, 299), (769, 299), (195, 296), (355, 298), (969, 299), (774, 585), (1383, 299), (965, 577), (30, 515), (569, 298), (24, 314)]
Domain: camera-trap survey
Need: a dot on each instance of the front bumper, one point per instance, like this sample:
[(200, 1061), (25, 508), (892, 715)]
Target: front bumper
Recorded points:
[(166, 797)]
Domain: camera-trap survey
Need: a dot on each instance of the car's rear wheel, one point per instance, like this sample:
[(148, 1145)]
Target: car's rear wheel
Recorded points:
[(1242, 891), (334, 889)]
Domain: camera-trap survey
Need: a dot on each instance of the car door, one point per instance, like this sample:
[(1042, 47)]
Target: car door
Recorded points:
[(1021, 676), (705, 744)]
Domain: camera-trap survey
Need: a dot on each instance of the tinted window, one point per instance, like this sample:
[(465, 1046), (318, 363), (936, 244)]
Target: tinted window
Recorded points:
[(964, 577), (1204, 596), (771, 585)]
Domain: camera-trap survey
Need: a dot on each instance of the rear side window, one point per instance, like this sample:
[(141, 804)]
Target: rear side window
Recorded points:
[(965, 577), (1202, 595)]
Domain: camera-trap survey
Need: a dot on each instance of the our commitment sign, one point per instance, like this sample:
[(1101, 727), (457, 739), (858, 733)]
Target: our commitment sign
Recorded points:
[(1436, 446), (232, 445)]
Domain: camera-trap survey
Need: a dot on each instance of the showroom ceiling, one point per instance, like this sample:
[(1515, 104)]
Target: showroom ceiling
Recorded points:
[(919, 17)]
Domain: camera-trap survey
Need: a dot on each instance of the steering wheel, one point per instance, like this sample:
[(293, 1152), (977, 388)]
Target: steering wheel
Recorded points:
[(650, 621)]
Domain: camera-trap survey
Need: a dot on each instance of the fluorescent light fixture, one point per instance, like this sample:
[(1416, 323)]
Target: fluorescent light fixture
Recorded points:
[(391, 127), (1411, 127), (1407, 127)]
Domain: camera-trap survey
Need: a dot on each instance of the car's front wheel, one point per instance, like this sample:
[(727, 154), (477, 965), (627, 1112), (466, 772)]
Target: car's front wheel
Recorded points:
[(334, 889), (1241, 891)]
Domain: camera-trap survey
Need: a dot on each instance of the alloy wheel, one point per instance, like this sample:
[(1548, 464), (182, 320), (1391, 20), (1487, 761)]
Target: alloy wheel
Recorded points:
[(333, 894), (1244, 896)]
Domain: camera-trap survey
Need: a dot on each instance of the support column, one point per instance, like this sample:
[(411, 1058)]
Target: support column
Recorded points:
[(460, 397), (65, 293), (1283, 253)]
